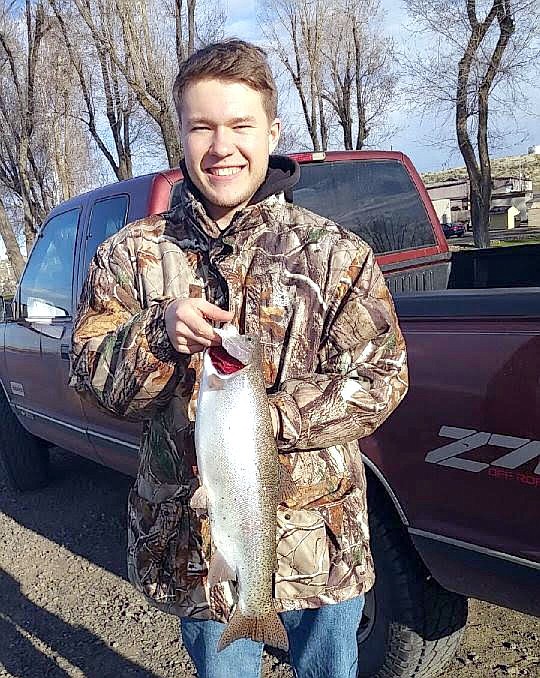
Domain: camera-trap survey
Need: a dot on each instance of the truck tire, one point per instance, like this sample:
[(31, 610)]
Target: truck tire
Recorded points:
[(411, 626), (24, 458)]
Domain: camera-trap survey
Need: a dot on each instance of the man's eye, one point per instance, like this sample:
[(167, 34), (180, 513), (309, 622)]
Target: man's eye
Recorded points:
[(243, 127), (199, 128)]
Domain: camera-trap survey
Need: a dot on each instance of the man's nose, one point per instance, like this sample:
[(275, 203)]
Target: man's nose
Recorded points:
[(222, 144)]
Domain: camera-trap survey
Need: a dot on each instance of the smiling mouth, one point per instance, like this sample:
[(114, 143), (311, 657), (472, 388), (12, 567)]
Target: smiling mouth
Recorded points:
[(223, 171)]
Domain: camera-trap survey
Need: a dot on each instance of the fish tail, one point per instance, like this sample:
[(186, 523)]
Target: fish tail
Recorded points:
[(267, 629)]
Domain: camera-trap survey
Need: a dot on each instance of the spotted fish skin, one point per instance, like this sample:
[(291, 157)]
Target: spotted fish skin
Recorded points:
[(238, 463)]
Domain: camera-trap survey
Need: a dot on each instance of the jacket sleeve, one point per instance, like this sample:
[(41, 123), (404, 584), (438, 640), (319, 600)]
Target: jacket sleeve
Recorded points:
[(122, 358), (362, 374)]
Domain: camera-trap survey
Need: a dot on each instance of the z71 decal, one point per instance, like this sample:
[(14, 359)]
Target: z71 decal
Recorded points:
[(522, 451)]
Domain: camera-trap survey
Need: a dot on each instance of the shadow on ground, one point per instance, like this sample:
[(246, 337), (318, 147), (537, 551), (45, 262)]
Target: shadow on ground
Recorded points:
[(83, 509), (22, 622)]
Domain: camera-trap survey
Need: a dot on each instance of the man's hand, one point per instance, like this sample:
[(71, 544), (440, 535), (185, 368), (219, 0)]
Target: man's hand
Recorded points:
[(187, 326)]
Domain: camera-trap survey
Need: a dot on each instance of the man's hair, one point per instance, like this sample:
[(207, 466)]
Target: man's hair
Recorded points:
[(232, 60)]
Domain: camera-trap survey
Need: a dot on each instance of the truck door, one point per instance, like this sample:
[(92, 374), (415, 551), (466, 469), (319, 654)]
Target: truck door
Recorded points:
[(115, 441), (463, 450), (38, 338)]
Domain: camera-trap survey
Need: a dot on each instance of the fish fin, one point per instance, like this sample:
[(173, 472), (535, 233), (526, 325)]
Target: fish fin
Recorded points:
[(199, 500), (287, 486), (268, 629), (219, 570)]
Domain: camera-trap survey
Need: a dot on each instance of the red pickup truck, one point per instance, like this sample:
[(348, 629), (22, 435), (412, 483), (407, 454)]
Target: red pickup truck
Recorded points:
[(453, 475)]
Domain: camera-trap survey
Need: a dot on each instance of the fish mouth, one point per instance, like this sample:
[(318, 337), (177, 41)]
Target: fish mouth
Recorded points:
[(239, 347), (224, 362)]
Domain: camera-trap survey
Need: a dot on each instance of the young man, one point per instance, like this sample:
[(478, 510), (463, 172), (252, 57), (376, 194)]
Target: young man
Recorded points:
[(334, 364)]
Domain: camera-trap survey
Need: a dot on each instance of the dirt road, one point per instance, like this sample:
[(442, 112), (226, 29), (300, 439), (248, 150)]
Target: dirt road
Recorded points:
[(66, 609)]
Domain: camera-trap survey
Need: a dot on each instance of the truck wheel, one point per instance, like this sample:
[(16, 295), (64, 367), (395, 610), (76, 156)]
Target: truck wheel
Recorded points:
[(411, 627), (24, 457)]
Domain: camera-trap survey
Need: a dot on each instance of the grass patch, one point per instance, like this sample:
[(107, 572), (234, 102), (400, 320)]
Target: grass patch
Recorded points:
[(514, 243)]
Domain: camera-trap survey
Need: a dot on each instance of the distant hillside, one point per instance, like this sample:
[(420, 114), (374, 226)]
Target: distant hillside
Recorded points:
[(511, 166)]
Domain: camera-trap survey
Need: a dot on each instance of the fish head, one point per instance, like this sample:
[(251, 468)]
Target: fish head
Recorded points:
[(237, 351)]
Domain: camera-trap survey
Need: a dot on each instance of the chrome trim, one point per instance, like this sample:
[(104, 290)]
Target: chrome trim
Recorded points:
[(113, 440), (473, 547), (387, 487), (75, 428), (44, 416)]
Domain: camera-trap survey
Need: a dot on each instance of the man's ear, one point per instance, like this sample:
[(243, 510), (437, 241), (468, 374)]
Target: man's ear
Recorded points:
[(274, 134)]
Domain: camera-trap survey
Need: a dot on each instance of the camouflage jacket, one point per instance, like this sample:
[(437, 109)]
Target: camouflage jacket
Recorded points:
[(334, 364)]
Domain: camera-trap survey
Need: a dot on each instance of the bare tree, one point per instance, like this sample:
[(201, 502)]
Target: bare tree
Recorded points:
[(339, 61), (18, 112), (295, 30), (141, 51), (359, 65), (118, 100), (43, 155), (61, 139), (482, 52)]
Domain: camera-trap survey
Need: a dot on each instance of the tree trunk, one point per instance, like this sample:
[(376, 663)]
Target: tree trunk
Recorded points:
[(479, 170), (480, 204), (173, 147), (363, 131), (347, 136), (10, 242), (323, 125), (191, 26)]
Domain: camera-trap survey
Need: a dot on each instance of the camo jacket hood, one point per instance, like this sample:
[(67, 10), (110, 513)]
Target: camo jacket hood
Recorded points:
[(334, 363)]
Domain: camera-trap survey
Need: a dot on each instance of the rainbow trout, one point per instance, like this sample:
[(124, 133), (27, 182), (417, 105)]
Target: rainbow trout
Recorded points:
[(240, 482)]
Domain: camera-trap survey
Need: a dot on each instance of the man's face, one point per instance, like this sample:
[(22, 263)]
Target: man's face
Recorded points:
[(227, 139)]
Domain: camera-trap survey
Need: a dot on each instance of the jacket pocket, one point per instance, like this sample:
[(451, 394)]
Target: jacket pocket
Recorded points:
[(348, 538), (302, 553), (165, 555)]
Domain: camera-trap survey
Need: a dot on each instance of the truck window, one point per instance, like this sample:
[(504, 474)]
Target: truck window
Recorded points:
[(107, 217), (45, 288), (376, 199)]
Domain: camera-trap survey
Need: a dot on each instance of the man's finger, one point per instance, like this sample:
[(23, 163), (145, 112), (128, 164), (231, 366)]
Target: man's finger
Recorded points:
[(184, 334), (196, 348), (214, 312), (202, 329), (190, 347)]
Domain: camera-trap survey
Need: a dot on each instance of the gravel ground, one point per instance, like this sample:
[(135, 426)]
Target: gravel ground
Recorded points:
[(66, 608)]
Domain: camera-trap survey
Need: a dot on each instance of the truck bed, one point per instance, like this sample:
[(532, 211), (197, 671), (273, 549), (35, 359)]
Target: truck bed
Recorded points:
[(462, 452), (499, 282)]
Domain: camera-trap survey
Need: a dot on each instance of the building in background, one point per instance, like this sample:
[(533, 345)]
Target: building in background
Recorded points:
[(510, 201), (533, 210), (450, 200), (504, 217)]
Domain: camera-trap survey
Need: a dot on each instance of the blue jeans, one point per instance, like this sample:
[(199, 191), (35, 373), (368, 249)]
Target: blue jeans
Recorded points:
[(322, 644)]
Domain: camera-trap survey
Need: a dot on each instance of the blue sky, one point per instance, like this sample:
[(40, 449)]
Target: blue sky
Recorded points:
[(415, 136)]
